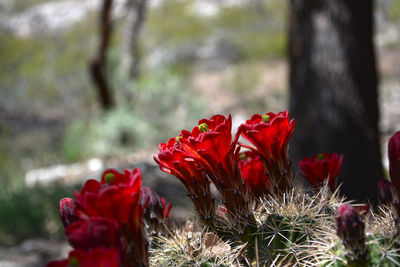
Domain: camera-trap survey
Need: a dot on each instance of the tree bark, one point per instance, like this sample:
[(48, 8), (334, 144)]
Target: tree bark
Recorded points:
[(333, 89), (98, 64)]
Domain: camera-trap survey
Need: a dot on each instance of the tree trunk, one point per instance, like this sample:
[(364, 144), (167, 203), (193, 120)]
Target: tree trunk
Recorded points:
[(333, 89), (98, 65)]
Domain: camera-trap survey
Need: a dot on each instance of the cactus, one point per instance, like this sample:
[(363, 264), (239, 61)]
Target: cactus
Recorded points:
[(193, 247), (294, 229), (264, 219)]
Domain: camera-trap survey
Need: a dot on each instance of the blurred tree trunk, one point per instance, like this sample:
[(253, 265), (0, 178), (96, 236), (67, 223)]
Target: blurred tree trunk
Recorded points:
[(136, 15), (98, 64), (333, 88)]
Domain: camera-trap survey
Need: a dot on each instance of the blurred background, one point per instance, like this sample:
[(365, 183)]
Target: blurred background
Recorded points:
[(87, 85)]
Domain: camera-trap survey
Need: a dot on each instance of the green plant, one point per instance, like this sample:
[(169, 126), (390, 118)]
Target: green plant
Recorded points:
[(30, 212)]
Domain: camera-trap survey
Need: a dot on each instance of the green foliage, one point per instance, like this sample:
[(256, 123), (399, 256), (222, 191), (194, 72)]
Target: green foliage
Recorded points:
[(143, 119), (31, 212), (172, 24), (257, 30), (164, 99), (394, 11)]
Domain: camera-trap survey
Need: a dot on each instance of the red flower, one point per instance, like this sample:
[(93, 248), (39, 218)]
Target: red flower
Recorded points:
[(209, 149), (210, 144), (210, 141), (156, 209), (270, 134), (118, 198), (174, 160), (66, 209), (119, 201), (254, 174), (97, 257), (321, 167), (94, 232), (394, 160)]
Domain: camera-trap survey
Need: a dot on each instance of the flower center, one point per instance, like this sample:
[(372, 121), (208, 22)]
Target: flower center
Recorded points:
[(266, 118), (203, 127), (109, 178), (73, 262)]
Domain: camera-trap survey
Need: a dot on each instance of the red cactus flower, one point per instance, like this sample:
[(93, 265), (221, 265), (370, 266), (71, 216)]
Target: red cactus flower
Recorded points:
[(322, 167), (97, 257), (211, 140), (94, 232), (156, 209), (66, 209), (394, 160), (119, 201), (174, 160), (385, 192), (210, 145), (254, 174), (350, 228), (209, 149), (270, 134), (118, 198)]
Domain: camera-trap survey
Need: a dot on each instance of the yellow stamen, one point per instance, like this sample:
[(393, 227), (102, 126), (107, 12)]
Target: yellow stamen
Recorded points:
[(203, 127)]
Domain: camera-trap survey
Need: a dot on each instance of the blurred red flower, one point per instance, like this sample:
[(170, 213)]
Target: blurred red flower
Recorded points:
[(116, 200), (117, 197), (254, 174), (94, 232), (97, 257), (322, 167)]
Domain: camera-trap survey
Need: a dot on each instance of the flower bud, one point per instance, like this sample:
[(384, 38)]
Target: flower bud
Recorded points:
[(156, 210), (385, 191), (394, 160), (350, 228), (66, 208)]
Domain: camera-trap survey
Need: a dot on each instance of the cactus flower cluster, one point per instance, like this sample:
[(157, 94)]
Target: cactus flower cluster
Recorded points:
[(257, 215), (105, 222)]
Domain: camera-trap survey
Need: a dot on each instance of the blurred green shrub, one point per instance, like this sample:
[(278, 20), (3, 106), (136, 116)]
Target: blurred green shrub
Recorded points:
[(153, 109), (31, 212)]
